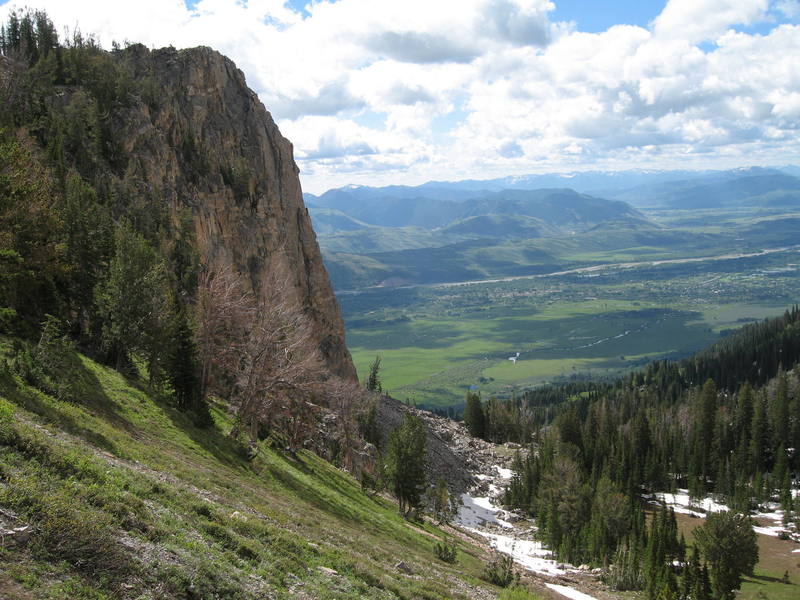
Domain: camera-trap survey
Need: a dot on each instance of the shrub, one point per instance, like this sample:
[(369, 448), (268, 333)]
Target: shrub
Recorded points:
[(500, 571), (52, 366), (517, 593), (446, 551), (6, 420), (372, 484)]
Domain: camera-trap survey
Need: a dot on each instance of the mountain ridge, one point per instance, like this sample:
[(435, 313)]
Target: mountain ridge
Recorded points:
[(622, 185)]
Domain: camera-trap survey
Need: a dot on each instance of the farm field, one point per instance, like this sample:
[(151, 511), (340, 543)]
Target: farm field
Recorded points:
[(436, 342)]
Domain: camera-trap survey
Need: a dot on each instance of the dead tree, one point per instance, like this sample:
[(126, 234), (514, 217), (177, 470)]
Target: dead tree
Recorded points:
[(258, 353)]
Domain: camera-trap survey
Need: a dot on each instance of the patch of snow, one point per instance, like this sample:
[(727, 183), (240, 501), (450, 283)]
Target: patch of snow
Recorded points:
[(477, 512), (796, 551), (504, 473), (682, 510), (773, 531), (569, 592), (774, 515), (682, 503), (527, 553)]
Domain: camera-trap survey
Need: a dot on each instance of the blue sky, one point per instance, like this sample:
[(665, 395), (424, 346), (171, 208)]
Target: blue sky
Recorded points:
[(403, 91), (590, 15), (593, 16)]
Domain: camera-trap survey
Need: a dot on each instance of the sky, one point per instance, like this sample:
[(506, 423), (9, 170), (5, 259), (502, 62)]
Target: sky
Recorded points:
[(378, 92)]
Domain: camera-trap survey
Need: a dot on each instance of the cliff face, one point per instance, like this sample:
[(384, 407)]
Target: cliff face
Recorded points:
[(201, 142)]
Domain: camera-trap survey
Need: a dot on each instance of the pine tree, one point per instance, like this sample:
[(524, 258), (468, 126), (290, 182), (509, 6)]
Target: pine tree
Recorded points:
[(705, 409), (759, 433), (474, 416), (183, 368), (405, 462), (374, 380), (780, 413), (728, 544), (132, 301), (88, 240)]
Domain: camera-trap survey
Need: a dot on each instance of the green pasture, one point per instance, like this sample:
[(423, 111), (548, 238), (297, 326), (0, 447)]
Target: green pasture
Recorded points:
[(435, 343)]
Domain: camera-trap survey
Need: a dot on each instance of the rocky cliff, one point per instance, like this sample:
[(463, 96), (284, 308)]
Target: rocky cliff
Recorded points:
[(199, 142)]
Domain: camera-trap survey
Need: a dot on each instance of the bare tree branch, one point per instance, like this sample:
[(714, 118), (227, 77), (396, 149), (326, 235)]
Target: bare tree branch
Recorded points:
[(258, 352)]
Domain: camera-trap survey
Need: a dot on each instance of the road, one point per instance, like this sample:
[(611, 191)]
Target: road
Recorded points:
[(578, 270)]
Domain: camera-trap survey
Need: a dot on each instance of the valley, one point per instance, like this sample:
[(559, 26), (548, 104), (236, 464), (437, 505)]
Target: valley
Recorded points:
[(438, 342), (448, 308)]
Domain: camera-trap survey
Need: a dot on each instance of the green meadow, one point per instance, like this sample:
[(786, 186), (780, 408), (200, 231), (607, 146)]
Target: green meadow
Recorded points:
[(437, 342), (129, 498)]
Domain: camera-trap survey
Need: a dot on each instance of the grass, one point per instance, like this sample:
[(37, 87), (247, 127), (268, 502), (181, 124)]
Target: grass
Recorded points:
[(517, 593), (775, 559), (130, 500), (436, 343)]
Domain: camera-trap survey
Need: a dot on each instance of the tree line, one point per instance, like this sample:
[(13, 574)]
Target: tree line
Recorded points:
[(596, 452)]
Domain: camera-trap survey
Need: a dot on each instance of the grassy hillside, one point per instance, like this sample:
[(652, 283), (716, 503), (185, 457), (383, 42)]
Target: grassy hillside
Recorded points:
[(329, 220), (383, 239), (128, 499), (502, 226), (406, 255)]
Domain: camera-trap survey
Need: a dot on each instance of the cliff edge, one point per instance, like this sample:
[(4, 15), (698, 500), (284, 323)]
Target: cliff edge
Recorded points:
[(200, 142)]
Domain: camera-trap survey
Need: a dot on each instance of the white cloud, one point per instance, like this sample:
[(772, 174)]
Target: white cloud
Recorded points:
[(790, 8), (522, 23), (699, 20), (380, 91)]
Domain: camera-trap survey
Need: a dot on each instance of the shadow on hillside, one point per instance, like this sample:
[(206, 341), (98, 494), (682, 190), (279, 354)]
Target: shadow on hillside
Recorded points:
[(343, 507), (763, 579), (58, 413), (226, 450)]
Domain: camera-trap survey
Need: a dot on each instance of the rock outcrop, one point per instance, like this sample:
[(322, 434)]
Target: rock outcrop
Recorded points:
[(200, 145), (448, 444)]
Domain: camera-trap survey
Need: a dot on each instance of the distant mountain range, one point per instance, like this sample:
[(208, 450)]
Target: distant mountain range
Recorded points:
[(755, 188), (558, 208), (640, 188), (451, 231)]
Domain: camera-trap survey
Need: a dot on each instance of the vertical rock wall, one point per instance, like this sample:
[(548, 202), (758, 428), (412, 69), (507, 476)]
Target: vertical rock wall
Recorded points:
[(200, 141)]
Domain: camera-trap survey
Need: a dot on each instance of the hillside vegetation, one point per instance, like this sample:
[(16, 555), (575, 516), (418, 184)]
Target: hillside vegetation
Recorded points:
[(712, 425), (126, 498)]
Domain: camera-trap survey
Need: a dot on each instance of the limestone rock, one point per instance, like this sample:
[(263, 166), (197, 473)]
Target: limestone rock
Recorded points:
[(205, 152)]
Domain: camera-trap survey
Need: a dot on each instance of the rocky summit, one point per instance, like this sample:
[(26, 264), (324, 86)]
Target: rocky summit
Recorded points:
[(202, 143)]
